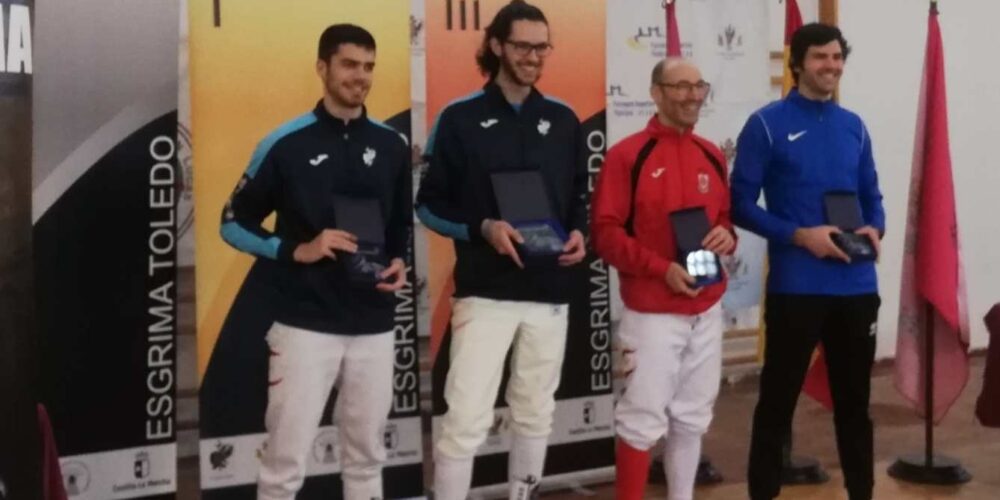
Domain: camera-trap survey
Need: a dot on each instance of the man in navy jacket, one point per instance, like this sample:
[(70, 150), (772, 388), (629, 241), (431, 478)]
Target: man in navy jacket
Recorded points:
[(328, 325), (499, 302)]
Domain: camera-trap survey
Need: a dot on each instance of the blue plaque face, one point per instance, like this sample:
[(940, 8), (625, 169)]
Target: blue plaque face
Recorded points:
[(541, 237), (364, 267), (843, 210), (523, 201), (856, 246)]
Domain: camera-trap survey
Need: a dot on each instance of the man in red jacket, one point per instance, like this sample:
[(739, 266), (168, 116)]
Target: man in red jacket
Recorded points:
[(671, 331)]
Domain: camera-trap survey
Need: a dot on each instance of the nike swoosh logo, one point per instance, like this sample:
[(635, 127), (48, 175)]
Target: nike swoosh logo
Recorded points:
[(794, 137), (658, 172), (489, 123)]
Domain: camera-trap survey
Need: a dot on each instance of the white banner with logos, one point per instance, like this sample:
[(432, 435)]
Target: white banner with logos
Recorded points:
[(235, 460), (127, 473)]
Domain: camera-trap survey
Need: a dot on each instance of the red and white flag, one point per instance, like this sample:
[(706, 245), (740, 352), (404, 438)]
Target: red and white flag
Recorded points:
[(673, 34), (933, 281)]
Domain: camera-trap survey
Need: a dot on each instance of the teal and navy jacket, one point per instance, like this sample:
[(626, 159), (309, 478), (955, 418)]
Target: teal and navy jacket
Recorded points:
[(294, 172), (796, 150), (481, 134)]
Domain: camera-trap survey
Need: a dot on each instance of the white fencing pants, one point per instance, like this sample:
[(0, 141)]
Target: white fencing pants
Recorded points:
[(677, 363), (483, 330), (303, 368)]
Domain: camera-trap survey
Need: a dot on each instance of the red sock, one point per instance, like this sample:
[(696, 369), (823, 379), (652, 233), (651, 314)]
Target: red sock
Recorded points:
[(632, 472)]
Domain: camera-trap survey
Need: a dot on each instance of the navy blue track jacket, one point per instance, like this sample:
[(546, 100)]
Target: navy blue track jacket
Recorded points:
[(481, 134), (294, 172)]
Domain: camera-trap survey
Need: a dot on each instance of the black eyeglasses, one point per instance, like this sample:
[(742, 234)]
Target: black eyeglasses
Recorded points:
[(701, 87), (524, 48)]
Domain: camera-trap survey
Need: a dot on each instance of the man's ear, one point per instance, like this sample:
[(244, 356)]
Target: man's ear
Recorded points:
[(321, 66), (496, 47)]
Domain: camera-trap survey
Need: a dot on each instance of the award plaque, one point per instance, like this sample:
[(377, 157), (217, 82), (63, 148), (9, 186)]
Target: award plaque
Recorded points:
[(844, 211), (690, 227), (524, 203), (362, 217)]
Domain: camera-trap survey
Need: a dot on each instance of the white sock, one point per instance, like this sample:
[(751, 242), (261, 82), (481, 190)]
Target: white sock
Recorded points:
[(525, 465), (452, 477), (680, 464)]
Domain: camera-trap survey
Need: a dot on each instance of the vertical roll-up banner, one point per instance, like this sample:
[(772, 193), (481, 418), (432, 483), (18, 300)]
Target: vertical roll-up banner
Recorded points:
[(19, 442), (104, 198), (727, 39), (252, 68), (581, 447)]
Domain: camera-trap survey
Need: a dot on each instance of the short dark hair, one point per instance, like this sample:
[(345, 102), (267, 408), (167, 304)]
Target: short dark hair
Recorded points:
[(500, 28), (338, 34), (813, 35)]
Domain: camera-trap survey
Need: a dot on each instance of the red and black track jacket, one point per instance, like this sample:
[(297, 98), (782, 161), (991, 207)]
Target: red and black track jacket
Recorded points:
[(676, 175)]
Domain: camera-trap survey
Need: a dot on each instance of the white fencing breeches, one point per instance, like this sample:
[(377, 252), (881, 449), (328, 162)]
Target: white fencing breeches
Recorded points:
[(303, 368), (677, 367), (483, 330)]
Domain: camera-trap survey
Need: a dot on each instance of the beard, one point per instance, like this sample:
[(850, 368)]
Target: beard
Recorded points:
[(340, 92), (510, 68)]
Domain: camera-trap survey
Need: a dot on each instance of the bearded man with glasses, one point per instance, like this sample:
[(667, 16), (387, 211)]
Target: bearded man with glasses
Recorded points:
[(505, 297)]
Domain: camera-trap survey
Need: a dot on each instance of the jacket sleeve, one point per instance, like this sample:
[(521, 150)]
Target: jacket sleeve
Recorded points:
[(252, 201), (581, 183), (868, 191), (753, 155), (439, 199), (400, 224), (611, 202)]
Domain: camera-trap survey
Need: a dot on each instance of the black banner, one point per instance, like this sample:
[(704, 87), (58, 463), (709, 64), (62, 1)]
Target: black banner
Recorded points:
[(20, 446), (104, 200)]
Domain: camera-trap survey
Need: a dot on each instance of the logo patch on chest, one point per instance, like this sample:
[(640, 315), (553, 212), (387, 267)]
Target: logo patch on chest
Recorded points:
[(369, 156), (544, 126), (704, 182), (319, 159)]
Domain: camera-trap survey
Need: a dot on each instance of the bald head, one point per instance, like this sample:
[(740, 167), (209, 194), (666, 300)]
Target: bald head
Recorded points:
[(673, 68), (678, 91)]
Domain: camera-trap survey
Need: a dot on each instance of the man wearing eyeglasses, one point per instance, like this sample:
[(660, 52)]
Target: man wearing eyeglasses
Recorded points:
[(499, 301), (670, 334)]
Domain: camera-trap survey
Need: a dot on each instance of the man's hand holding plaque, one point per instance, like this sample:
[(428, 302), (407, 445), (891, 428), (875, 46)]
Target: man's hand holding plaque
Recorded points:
[(503, 237), (367, 264), (856, 240), (528, 231)]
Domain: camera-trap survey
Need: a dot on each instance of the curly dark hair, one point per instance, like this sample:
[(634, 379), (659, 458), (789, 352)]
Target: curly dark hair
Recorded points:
[(500, 28), (812, 35)]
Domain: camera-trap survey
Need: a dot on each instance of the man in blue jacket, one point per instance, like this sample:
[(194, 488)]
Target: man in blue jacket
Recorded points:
[(501, 300), (798, 151), (329, 326)]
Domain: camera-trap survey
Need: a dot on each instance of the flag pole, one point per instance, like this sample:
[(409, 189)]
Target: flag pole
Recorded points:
[(928, 468), (929, 372)]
